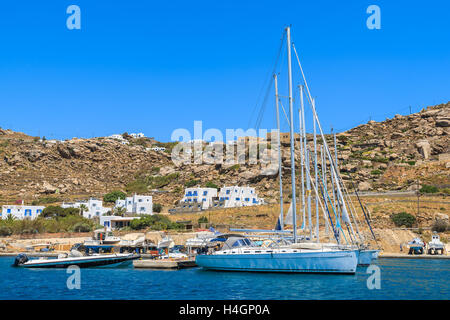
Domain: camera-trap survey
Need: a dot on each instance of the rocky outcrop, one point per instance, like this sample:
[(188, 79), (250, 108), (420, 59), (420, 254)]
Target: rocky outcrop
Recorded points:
[(388, 155)]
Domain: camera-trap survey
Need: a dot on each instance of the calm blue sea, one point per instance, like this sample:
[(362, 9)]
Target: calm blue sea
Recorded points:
[(400, 279)]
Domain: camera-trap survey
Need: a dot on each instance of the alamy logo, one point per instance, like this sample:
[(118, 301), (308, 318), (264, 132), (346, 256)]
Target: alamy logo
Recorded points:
[(374, 280), (74, 281), (374, 20), (74, 20)]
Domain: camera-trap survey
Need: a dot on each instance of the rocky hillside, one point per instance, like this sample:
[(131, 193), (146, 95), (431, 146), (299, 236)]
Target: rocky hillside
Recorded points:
[(388, 155)]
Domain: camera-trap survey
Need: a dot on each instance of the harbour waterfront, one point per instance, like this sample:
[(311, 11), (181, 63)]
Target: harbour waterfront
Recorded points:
[(400, 279)]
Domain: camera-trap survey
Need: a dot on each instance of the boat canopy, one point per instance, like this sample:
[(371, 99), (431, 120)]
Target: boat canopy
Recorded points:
[(236, 242)]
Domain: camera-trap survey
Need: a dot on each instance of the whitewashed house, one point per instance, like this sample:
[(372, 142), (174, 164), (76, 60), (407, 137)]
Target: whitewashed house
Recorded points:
[(136, 204), (137, 135), (115, 222), (239, 196), (116, 136), (94, 207), (158, 148), (21, 212), (199, 195)]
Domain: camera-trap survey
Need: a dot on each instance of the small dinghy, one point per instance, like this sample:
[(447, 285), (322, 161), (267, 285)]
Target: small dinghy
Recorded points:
[(78, 259)]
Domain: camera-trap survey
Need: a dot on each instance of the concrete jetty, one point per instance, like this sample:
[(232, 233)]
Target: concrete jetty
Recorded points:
[(163, 264), (411, 256)]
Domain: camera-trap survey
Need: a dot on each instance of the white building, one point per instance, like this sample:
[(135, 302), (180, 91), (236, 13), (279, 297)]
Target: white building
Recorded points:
[(137, 135), (21, 212), (239, 196), (200, 195), (94, 207), (116, 136), (115, 222), (158, 148), (136, 204)]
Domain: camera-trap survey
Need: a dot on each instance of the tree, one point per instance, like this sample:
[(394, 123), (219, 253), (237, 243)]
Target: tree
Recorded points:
[(120, 211), (439, 225), (58, 212), (10, 218), (83, 208), (157, 207), (203, 219), (113, 196), (403, 219)]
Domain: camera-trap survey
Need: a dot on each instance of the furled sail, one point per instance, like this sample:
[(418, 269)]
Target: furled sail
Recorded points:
[(289, 218)]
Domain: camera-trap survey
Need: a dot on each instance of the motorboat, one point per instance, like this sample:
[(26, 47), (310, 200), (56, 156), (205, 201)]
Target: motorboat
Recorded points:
[(435, 246), (102, 237), (166, 242), (76, 258), (416, 246)]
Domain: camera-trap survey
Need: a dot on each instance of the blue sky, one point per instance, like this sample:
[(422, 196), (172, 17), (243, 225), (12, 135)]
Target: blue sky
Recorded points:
[(154, 66)]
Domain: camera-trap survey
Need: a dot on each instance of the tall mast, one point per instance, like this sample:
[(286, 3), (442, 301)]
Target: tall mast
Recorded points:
[(306, 163), (279, 153), (308, 188), (302, 156), (315, 173), (324, 182), (291, 116)]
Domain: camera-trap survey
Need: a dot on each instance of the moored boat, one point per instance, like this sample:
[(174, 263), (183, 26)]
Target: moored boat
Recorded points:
[(241, 255), (96, 260), (435, 246)]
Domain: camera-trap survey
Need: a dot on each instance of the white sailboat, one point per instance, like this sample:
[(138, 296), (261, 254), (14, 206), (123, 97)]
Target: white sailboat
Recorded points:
[(240, 253)]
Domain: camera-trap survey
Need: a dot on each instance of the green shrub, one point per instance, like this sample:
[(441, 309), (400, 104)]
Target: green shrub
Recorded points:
[(154, 222), (137, 186), (155, 170), (375, 172), (5, 231), (57, 211), (428, 189), (439, 226), (403, 219), (191, 183), (157, 207), (113, 196), (411, 163), (82, 227), (45, 200), (210, 184), (203, 219)]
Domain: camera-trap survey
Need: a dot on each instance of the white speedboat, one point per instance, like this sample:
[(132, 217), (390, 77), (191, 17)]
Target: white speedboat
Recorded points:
[(102, 237), (166, 242), (77, 259)]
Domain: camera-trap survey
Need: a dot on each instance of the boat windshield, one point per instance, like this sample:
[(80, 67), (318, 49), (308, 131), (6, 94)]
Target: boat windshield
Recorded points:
[(242, 243)]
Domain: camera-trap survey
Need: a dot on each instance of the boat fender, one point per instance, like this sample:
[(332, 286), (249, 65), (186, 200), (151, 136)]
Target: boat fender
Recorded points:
[(20, 259)]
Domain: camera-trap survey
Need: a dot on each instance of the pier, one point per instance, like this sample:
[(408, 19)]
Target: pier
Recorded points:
[(163, 264), (411, 256)]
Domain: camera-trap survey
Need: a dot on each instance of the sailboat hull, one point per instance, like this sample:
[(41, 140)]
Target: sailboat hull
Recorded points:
[(343, 262), (367, 256)]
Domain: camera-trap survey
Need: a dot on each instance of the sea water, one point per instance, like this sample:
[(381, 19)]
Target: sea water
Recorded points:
[(398, 279)]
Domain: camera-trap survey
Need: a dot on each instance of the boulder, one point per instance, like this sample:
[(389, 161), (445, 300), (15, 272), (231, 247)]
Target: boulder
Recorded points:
[(424, 148), (48, 188), (443, 122), (440, 216), (364, 186)]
